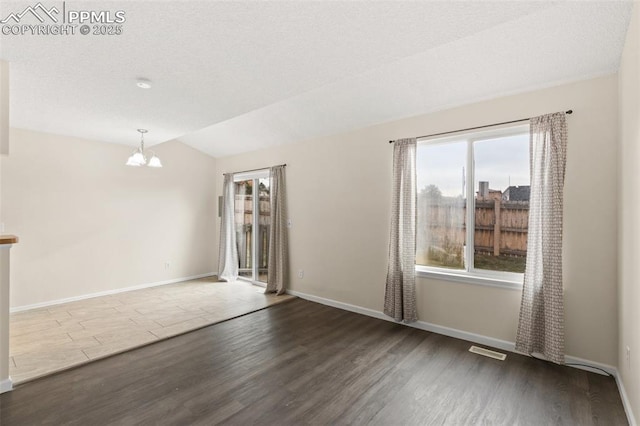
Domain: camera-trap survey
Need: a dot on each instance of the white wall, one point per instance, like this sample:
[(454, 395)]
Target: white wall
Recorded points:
[(87, 223), (629, 213), (339, 191)]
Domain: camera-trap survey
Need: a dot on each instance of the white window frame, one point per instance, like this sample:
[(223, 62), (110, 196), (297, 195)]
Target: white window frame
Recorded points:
[(470, 274), (255, 176)]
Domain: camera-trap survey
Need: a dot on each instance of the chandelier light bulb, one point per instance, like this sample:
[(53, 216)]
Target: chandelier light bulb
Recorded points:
[(138, 157)]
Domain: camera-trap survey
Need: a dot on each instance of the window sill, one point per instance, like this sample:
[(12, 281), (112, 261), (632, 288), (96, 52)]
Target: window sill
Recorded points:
[(466, 278)]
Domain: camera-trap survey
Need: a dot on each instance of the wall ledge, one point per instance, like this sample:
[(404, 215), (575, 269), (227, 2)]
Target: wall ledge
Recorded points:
[(8, 239)]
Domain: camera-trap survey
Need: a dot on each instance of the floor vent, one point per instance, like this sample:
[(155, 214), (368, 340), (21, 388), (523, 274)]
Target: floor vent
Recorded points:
[(488, 353)]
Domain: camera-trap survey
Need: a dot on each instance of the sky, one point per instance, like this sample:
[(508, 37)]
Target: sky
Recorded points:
[(500, 161)]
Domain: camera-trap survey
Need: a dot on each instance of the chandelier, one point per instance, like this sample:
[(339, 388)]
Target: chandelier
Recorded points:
[(138, 158)]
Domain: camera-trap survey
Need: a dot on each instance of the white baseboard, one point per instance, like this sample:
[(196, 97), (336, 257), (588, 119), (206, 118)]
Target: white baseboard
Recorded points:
[(422, 325), (108, 292), (625, 400), (6, 385), (587, 365)]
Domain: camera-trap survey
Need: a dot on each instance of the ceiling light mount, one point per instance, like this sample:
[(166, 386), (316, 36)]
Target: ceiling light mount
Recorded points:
[(138, 158), (143, 83)]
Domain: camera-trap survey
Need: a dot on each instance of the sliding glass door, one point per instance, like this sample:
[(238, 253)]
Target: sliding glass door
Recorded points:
[(252, 222), (264, 222)]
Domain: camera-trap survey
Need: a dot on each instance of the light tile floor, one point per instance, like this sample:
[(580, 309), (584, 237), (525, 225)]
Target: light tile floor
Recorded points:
[(47, 340)]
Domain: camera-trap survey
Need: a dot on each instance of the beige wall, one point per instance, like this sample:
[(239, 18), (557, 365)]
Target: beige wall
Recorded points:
[(629, 213), (339, 190), (4, 254), (87, 223), (4, 107), (4, 115)]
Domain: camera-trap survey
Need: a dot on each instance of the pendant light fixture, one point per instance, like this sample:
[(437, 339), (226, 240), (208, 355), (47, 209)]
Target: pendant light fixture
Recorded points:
[(138, 157)]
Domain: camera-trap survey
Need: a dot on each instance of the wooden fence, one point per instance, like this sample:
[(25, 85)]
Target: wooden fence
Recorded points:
[(500, 227), (243, 209)]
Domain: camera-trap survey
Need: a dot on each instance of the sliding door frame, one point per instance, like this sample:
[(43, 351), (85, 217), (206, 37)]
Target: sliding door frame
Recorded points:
[(254, 176)]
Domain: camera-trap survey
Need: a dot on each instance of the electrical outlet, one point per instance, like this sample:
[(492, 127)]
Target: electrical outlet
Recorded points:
[(301, 273), (289, 223), (167, 265), (628, 357)]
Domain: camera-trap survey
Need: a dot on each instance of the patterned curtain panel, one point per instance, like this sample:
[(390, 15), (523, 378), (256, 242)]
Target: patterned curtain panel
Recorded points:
[(541, 325), (228, 253), (400, 290), (278, 277)]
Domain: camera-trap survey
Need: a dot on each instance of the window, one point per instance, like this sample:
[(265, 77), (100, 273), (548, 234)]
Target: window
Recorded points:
[(473, 205)]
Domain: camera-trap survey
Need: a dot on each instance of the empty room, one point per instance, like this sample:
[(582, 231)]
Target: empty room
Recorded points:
[(320, 212)]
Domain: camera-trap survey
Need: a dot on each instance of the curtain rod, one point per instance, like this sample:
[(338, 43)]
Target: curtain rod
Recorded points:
[(479, 127), (254, 170)]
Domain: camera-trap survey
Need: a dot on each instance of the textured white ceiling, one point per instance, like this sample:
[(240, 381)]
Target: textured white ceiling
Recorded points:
[(231, 77)]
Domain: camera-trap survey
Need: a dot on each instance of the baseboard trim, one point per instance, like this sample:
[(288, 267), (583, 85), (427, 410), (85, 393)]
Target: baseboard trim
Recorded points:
[(422, 325), (6, 385), (589, 365), (452, 332), (108, 292), (625, 400)]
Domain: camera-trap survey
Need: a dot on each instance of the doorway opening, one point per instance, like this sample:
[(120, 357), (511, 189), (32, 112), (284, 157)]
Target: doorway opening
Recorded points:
[(252, 222)]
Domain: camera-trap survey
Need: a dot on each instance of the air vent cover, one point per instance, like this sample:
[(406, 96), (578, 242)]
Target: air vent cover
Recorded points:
[(487, 353)]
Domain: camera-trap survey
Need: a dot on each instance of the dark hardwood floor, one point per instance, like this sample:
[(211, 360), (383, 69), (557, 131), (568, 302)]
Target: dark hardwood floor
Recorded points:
[(304, 363)]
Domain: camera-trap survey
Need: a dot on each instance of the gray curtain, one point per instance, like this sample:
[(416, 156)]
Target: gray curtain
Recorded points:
[(541, 324), (228, 253), (278, 277), (400, 289)]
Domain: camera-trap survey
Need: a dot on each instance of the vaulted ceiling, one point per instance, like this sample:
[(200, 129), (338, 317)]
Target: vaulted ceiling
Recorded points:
[(231, 77)]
